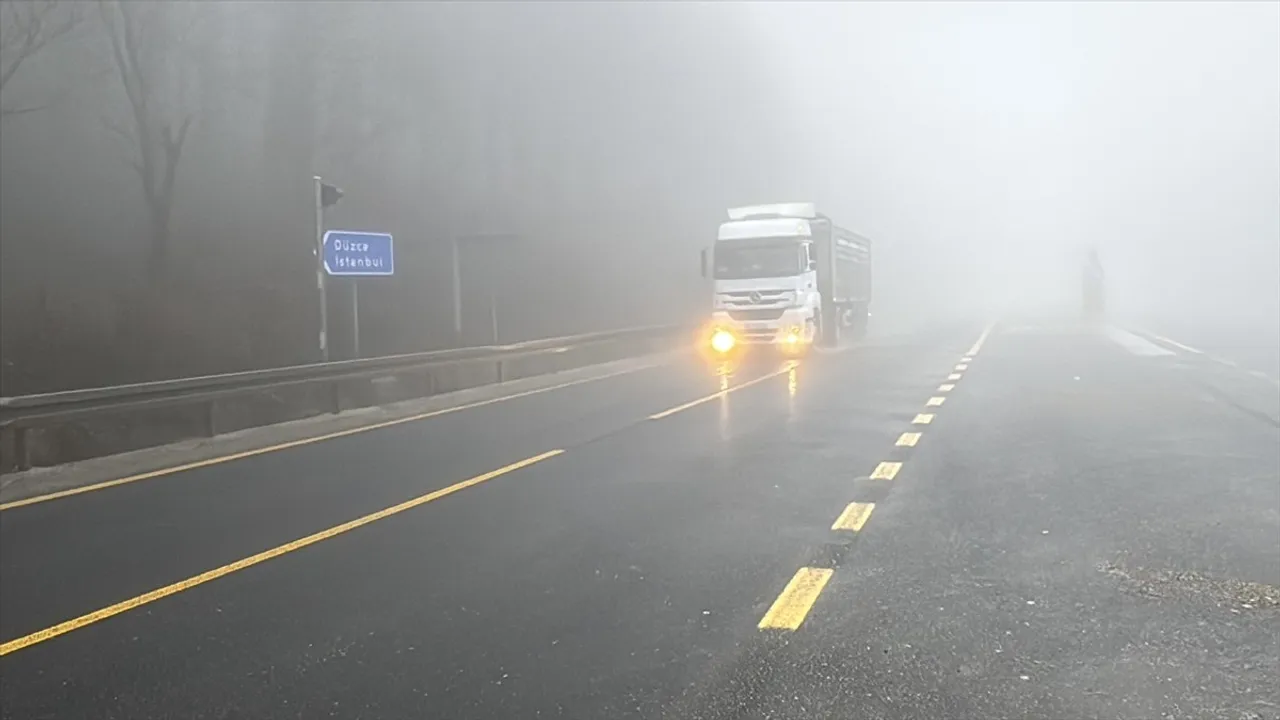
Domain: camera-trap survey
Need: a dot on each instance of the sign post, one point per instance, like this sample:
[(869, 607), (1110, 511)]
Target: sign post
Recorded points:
[(324, 308), (493, 314), (355, 254), (492, 252), (457, 292), (355, 317), (326, 195)]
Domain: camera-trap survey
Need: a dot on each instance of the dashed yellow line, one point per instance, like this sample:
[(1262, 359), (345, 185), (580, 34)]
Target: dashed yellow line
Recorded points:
[(793, 605), (797, 598), (204, 577), (721, 393), (982, 339), (854, 516), (886, 471), (309, 440)]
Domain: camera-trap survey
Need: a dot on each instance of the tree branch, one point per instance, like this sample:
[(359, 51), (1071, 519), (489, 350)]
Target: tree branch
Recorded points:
[(10, 112), (114, 127), (145, 50), (172, 153), (25, 29)]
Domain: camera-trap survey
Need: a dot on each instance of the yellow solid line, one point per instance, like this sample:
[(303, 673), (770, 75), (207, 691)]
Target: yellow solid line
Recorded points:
[(946, 387), (908, 439), (722, 393), (886, 471), (304, 441), (935, 401), (791, 607), (962, 367), (954, 376), (854, 516), (923, 419), (204, 577)]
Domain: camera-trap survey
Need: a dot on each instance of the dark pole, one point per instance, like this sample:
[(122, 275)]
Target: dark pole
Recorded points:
[(324, 310)]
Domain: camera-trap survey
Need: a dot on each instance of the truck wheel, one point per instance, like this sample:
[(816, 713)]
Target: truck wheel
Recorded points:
[(829, 327), (859, 324)]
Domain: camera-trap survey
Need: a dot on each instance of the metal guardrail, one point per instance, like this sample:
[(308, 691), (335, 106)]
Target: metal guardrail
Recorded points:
[(18, 414)]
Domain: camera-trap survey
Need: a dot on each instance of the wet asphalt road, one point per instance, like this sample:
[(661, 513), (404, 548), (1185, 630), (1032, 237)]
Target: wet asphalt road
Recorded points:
[(1084, 530), (1250, 344)]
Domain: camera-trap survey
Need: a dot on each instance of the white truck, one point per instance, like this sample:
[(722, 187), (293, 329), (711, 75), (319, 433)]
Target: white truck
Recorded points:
[(788, 277)]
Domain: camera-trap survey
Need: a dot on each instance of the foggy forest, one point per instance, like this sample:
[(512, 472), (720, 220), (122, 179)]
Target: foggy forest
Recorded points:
[(157, 163)]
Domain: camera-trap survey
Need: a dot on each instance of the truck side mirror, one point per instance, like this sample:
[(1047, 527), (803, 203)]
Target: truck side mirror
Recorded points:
[(704, 262), (813, 264)]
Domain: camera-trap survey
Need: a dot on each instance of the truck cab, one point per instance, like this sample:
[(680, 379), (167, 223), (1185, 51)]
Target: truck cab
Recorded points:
[(765, 276)]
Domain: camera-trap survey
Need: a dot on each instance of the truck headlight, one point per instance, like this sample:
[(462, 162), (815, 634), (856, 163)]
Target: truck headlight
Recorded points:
[(793, 335), (722, 341)]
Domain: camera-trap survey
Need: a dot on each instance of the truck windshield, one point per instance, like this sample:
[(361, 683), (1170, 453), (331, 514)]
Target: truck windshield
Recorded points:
[(739, 262)]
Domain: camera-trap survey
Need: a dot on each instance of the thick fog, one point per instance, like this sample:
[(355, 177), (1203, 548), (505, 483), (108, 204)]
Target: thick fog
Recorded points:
[(156, 164), (987, 146)]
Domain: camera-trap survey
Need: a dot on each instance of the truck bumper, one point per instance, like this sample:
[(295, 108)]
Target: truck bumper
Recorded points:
[(793, 332)]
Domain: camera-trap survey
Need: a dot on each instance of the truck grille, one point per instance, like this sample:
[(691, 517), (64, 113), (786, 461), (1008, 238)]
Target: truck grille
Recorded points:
[(756, 314), (767, 297)]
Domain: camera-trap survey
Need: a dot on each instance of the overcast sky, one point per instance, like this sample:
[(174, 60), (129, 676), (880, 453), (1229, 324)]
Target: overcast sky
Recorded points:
[(996, 141)]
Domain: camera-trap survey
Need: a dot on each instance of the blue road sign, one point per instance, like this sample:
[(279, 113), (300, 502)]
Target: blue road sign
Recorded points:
[(353, 253)]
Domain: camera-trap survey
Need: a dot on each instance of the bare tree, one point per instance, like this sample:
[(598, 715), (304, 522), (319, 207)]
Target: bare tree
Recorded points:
[(26, 28), (147, 46)]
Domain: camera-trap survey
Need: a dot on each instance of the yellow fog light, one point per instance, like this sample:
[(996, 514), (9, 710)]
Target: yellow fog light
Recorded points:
[(722, 341), (793, 336)]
